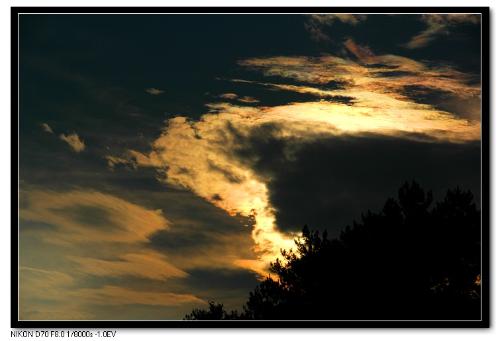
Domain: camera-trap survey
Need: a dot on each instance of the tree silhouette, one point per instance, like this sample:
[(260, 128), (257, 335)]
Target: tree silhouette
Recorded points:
[(215, 312), (410, 261)]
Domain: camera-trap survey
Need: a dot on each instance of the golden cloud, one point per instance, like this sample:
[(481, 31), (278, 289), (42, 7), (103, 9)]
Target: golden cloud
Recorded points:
[(382, 74), (199, 155), (114, 295), (145, 264), (244, 99), (114, 160), (125, 222), (116, 222), (101, 235), (54, 295), (74, 141), (37, 287)]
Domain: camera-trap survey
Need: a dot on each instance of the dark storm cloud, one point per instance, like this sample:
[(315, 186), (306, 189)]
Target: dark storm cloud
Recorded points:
[(328, 182)]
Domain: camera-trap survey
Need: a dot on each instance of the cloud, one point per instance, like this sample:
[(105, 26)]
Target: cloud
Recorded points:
[(139, 159), (154, 91), (134, 159), (42, 295), (146, 264), (200, 155), (326, 183), (94, 235), (229, 95), (46, 128), (374, 73), (54, 295), (316, 24), (117, 221), (439, 25), (115, 160), (362, 53), (248, 99), (197, 156), (204, 155), (47, 280), (235, 97), (373, 80), (74, 141), (114, 295)]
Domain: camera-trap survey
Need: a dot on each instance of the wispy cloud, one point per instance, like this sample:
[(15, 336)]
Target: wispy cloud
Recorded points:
[(229, 95), (54, 295), (120, 220), (438, 25), (372, 81), (115, 295), (248, 99), (145, 264), (154, 91), (235, 97), (115, 160), (102, 236), (46, 128), (42, 295), (133, 159), (381, 73), (74, 141)]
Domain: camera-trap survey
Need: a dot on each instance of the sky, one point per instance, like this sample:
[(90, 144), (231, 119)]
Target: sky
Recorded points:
[(165, 160)]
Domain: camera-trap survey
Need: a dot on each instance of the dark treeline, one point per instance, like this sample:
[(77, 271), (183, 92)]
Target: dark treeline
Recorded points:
[(412, 260)]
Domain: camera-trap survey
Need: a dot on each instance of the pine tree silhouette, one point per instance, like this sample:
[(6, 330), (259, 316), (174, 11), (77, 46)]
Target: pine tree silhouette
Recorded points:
[(410, 261)]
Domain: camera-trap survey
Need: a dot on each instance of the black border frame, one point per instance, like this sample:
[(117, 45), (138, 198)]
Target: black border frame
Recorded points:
[(485, 176)]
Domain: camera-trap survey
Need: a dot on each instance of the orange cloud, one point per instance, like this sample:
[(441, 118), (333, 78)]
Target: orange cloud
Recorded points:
[(383, 74), (114, 160), (244, 99), (125, 222), (114, 295), (144, 264), (199, 155), (54, 295), (114, 232), (37, 286), (74, 141)]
